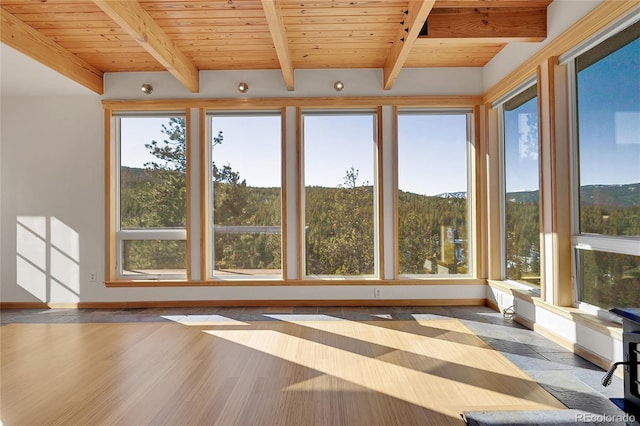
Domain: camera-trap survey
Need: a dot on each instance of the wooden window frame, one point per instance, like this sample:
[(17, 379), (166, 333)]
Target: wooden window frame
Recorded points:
[(196, 110), (472, 192), (378, 233), (556, 252), (206, 199), (115, 236), (579, 241), (500, 106)]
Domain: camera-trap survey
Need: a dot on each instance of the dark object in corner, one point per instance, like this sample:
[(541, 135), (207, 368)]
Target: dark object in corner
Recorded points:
[(631, 354)]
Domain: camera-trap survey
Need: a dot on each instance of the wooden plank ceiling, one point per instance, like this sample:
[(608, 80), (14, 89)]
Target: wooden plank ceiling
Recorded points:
[(83, 39)]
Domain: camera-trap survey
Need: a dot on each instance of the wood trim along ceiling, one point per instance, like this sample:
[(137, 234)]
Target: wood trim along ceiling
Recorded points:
[(82, 39), (273, 103)]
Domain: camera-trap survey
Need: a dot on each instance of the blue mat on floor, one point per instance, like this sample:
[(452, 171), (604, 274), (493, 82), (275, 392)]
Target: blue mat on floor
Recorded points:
[(528, 418), (619, 402)]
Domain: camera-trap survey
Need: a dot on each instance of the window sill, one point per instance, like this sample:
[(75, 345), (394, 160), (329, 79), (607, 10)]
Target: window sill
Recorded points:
[(305, 282), (586, 318), (532, 295), (514, 288)]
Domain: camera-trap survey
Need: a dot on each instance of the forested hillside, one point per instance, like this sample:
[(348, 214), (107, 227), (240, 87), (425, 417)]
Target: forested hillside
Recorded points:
[(607, 279)]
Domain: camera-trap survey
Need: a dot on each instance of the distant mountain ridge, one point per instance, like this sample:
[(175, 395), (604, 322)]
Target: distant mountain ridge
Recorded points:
[(608, 195), (135, 174), (611, 195), (460, 194)]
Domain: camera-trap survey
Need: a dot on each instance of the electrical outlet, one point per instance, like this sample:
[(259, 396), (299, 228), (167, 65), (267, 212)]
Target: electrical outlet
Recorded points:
[(377, 293), (93, 276)]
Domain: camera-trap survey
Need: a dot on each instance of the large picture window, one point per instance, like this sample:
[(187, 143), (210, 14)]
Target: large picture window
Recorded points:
[(521, 188), (200, 196), (246, 195), (339, 194), (607, 238), (433, 190), (152, 196)]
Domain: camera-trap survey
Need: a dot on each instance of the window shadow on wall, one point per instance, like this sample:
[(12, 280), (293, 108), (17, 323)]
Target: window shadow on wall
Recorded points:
[(47, 258)]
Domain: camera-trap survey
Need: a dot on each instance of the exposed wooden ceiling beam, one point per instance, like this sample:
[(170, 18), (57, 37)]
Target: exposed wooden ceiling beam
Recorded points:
[(417, 12), (32, 43), (279, 36), (500, 24), (447, 4), (132, 17)]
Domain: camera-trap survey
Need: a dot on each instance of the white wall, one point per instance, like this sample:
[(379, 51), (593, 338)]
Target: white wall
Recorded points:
[(308, 83), (52, 196)]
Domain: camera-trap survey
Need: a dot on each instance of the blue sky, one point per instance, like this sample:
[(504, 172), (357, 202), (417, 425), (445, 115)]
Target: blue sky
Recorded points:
[(521, 150), (609, 119), (432, 153), (135, 133), (609, 126), (333, 144), (251, 147)]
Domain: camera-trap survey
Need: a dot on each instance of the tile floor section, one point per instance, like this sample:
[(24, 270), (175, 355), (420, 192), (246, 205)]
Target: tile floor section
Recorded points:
[(573, 380)]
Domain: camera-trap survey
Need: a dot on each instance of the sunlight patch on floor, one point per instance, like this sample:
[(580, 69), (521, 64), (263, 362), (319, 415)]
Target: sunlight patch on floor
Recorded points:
[(449, 336), (203, 320), (400, 375)]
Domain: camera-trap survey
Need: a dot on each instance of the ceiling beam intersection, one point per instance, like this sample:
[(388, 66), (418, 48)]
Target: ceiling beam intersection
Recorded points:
[(409, 28)]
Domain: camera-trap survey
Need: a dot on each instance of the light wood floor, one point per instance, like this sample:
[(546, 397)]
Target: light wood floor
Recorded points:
[(288, 371)]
